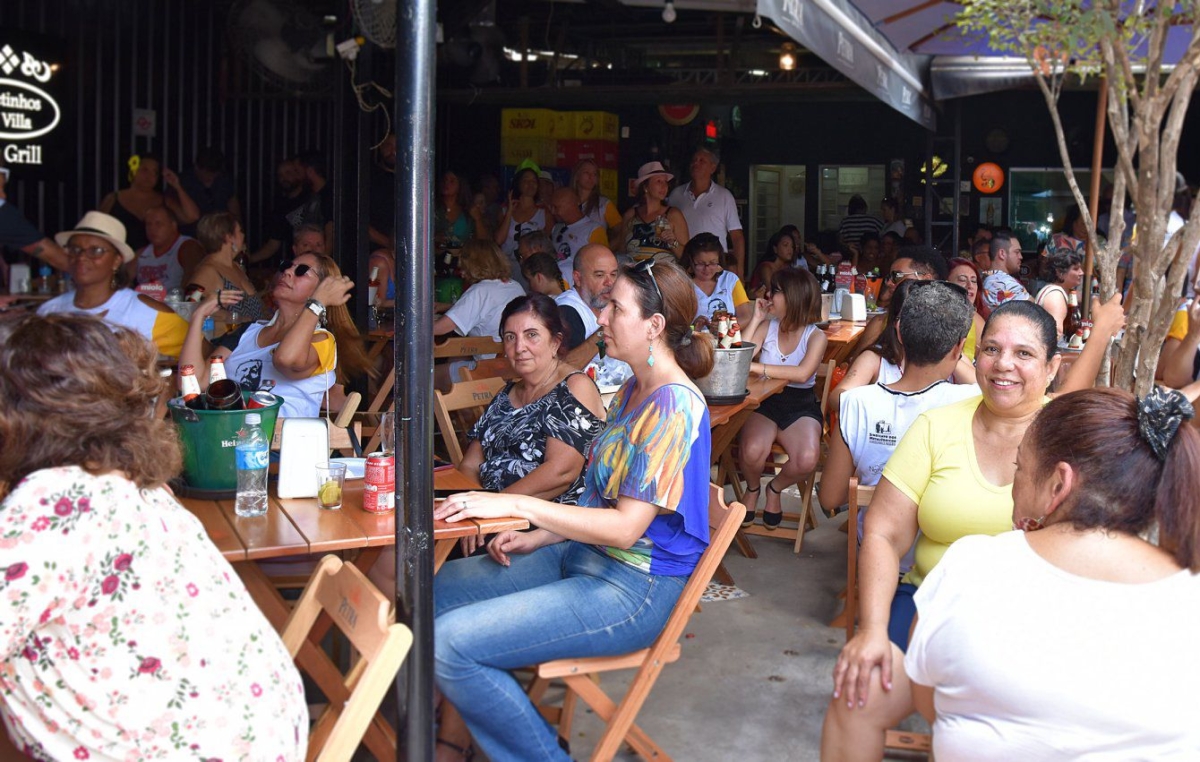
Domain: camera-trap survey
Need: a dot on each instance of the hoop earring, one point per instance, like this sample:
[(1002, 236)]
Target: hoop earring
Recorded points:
[(650, 359)]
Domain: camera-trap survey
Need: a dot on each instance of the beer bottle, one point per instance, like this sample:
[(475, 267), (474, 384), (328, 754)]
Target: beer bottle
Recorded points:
[(1073, 323), (216, 370), (189, 388)]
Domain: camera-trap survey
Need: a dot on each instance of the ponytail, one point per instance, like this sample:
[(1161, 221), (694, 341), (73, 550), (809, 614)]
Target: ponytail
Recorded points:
[(1176, 505)]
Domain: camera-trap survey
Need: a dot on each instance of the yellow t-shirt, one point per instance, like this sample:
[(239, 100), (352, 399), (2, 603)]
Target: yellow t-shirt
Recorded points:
[(969, 346), (739, 294), (1179, 324), (935, 466)]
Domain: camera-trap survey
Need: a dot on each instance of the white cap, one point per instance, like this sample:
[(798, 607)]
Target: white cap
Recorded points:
[(253, 418)]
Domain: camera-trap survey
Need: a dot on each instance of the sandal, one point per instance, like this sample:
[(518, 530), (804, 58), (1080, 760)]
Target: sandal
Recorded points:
[(467, 752), (751, 508), (772, 520)]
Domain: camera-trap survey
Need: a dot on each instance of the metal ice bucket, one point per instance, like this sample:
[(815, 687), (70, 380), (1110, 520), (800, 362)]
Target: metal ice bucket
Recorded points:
[(731, 371)]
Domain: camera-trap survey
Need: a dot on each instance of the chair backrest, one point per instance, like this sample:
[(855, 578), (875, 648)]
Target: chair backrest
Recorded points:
[(723, 523), (464, 395), (466, 346), (497, 367), (859, 498), (581, 355), (824, 374), (365, 617)]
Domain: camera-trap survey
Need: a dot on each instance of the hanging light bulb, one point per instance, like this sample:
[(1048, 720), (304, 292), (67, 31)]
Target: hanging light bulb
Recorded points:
[(787, 56), (669, 15)]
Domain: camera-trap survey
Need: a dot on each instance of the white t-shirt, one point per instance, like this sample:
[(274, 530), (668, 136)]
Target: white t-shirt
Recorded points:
[(477, 312), (533, 224), (569, 239), (165, 269), (873, 419), (1029, 662), (721, 298), (253, 367), (571, 298), (771, 354), (713, 212)]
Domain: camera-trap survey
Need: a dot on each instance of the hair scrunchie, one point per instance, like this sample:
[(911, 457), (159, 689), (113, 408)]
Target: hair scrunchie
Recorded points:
[(1159, 415)]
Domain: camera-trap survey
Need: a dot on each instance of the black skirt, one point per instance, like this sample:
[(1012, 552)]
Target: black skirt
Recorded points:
[(790, 405)]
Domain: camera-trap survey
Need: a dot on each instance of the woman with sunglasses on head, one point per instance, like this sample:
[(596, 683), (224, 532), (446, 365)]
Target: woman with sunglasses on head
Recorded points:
[(950, 476), (293, 355), (790, 346), (602, 577), (223, 239), (97, 255), (718, 289)]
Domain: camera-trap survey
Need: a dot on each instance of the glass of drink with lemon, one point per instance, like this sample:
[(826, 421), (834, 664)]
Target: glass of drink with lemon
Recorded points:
[(331, 479)]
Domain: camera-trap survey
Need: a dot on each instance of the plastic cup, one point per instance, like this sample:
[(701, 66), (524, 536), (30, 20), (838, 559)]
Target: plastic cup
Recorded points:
[(331, 482)]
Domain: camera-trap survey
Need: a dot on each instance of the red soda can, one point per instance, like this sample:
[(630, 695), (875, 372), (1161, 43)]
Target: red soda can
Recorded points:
[(260, 400), (379, 483)]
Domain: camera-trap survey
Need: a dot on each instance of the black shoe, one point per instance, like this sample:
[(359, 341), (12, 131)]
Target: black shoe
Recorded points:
[(772, 520), (751, 508)]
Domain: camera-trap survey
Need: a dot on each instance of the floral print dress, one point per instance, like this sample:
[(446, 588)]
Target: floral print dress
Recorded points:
[(126, 635), (514, 439)]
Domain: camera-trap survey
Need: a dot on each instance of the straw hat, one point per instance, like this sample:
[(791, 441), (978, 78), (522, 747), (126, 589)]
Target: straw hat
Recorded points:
[(650, 169), (104, 226)]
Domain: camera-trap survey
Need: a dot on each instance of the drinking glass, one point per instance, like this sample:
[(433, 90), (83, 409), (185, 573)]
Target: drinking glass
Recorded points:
[(331, 479), (387, 432)]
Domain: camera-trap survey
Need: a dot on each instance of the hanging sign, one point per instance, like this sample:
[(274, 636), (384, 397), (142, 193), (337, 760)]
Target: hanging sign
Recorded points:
[(31, 115), (988, 177), (679, 115)]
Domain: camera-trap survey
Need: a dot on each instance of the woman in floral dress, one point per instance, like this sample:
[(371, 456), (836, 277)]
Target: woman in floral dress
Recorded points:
[(124, 633)]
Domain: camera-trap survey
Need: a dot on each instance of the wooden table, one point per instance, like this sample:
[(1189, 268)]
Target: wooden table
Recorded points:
[(727, 422), (298, 527), (843, 336), (379, 339)]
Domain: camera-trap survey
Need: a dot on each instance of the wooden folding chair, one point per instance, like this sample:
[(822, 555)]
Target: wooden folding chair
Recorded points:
[(366, 618), (579, 674), (807, 518), (859, 498), (497, 367), (464, 396), (464, 346)]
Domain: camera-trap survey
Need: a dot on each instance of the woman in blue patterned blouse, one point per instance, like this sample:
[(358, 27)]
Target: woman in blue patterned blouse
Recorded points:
[(600, 578)]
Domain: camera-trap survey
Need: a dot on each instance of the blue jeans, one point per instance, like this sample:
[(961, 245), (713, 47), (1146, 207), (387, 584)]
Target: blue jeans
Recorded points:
[(566, 600), (903, 612)]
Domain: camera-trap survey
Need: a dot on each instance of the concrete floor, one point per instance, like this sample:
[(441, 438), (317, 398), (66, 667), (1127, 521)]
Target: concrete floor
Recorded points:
[(755, 674)]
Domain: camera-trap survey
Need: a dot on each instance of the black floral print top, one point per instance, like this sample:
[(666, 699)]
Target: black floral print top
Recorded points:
[(514, 440)]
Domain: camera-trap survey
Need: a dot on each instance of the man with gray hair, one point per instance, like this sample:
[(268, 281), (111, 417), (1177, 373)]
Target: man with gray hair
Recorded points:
[(933, 327), (709, 208)]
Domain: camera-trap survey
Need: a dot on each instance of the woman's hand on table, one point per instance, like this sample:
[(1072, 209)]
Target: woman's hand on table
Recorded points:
[(867, 650), (474, 505)]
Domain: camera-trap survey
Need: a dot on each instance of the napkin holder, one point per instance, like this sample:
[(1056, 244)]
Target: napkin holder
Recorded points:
[(854, 307), (826, 307), (303, 445)]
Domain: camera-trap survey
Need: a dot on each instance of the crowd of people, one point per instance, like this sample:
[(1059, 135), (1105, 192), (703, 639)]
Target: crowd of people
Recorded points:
[(957, 408)]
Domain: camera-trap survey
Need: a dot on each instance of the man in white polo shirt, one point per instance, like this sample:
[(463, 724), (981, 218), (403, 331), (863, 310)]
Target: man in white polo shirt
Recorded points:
[(572, 230), (709, 208), (595, 273)]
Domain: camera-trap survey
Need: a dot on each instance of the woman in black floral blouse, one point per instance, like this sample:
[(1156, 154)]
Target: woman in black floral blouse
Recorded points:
[(534, 436)]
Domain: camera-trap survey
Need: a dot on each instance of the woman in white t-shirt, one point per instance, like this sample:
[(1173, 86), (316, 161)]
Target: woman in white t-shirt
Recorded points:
[(523, 214), (586, 182), (718, 289), (292, 355), (1064, 270), (477, 312), (1076, 638)]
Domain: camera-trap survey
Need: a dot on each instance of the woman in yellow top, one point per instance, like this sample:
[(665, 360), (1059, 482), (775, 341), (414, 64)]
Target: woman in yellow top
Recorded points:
[(951, 476)]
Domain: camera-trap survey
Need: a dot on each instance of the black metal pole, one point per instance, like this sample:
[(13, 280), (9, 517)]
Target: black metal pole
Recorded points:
[(414, 116)]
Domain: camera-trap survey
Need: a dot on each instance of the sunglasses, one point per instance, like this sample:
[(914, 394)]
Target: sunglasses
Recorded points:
[(646, 267), (900, 275), (92, 252), (301, 270)]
